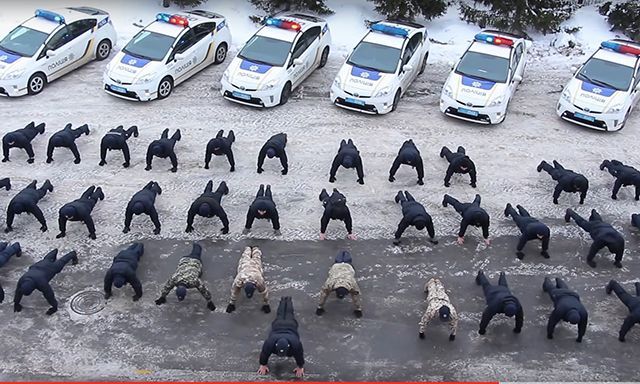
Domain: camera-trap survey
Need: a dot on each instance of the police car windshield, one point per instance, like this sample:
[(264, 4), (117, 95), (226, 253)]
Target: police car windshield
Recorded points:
[(376, 57), (23, 41), (149, 45), (484, 67), (266, 50), (606, 74)]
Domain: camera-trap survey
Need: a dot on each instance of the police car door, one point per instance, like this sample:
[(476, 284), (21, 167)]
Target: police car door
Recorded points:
[(74, 48), (410, 58), (517, 65), (635, 92), (52, 64), (182, 59), (300, 52), (205, 43)]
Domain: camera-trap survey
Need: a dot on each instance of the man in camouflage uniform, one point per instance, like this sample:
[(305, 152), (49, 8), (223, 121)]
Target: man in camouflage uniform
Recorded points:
[(342, 279), (438, 304), (250, 278), (187, 276)]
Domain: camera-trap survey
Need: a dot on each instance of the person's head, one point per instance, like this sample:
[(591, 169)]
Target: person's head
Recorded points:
[(119, 281), (444, 313), (465, 163), (573, 316), (68, 211), (420, 222), (581, 183), (262, 212), (27, 286), (341, 292), (347, 161), (138, 208), (478, 218), (181, 292), (271, 153), (156, 149), (510, 308), (204, 210), (249, 289), (18, 207), (542, 231), (10, 139), (282, 347)]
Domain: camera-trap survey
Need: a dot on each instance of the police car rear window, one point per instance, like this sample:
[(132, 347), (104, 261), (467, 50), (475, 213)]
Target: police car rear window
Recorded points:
[(375, 57), (23, 41), (606, 74), (484, 67), (149, 45)]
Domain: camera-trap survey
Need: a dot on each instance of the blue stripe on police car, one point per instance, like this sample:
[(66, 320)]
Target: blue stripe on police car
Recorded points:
[(600, 91), (365, 74), (254, 67), (477, 83), (134, 61)]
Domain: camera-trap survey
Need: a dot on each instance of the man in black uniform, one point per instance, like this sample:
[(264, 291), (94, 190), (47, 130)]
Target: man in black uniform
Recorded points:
[(335, 208), (459, 162), (603, 235), (5, 183), (263, 207), (38, 277), (283, 339), (144, 202), (66, 139), (21, 139), (408, 155), (566, 306), (123, 271), (116, 139), (164, 148), (209, 205), (6, 252), (220, 146), (80, 210), (530, 228), (349, 157), (625, 175), (274, 147), (413, 213), (499, 300), (568, 180), (471, 214), (26, 201), (632, 303)]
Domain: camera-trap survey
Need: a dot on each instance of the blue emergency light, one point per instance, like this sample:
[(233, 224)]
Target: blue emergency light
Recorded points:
[(163, 17), (621, 48), (491, 39), (389, 30), (50, 15), (284, 24)]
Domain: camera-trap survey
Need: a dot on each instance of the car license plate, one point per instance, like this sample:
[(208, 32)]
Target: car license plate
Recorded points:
[(584, 117), (468, 112), (115, 88), (354, 101), (240, 95)]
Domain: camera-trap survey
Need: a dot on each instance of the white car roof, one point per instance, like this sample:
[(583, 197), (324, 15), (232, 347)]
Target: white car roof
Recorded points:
[(42, 25), (620, 58), (491, 49), (165, 28), (384, 39), (278, 33), (289, 35), (47, 26)]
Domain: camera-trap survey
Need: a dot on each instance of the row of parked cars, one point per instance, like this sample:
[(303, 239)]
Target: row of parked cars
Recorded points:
[(288, 48)]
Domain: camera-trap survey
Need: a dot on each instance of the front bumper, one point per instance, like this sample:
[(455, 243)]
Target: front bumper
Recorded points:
[(133, 92), (371, 105), (259, 99), (480, 115), (599, 121), (13, 88)]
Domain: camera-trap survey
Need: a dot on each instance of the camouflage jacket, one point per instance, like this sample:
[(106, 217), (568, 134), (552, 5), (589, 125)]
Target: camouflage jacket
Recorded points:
[(436, 298), (187, 274), (341, 275), (250, 270)]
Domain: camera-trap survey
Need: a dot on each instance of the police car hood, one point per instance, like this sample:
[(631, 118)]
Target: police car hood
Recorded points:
[(363, 82), (126, 68), (473, 91), (10, 62), (250, 75), (594, 98)]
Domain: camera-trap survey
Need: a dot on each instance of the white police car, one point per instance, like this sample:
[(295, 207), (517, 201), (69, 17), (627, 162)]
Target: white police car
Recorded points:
[(50, 45), (381, 67), (166, 53), (605, 89), (485, 78), (276, 60)]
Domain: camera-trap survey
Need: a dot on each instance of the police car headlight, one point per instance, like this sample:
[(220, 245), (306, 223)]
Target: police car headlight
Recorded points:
[(566, 95), (146, 78), (448, 91), (383, 92), (616, 108), (498, 100), (269, 85), (14, 74), (338, 82)]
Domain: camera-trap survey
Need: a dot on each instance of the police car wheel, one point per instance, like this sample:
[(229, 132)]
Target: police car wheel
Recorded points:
[(424, 64), (324, 58), (103, 51), (221, 53), (164, 88), (36, 83), (396, 100), (286, 92)]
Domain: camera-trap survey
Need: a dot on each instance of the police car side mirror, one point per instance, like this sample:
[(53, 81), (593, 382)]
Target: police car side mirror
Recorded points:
[(179, 57), (298, 61), (50, 53), (574, 69), (407, 68), (517, 78)]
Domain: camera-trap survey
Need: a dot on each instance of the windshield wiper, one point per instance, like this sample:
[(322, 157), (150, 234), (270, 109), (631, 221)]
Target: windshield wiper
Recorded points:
[(10, 51), (475, 76), (598, 82), (255, 61), (364, 66), (139, 56)]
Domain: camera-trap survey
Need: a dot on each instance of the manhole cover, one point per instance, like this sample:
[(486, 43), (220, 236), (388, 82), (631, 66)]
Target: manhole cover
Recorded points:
[(88, 302)]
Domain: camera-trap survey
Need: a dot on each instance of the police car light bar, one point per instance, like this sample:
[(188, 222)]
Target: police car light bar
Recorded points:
[(50, 15), (495, 40), (621, 48), (390, 30), (173, 19), (284, 24)]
